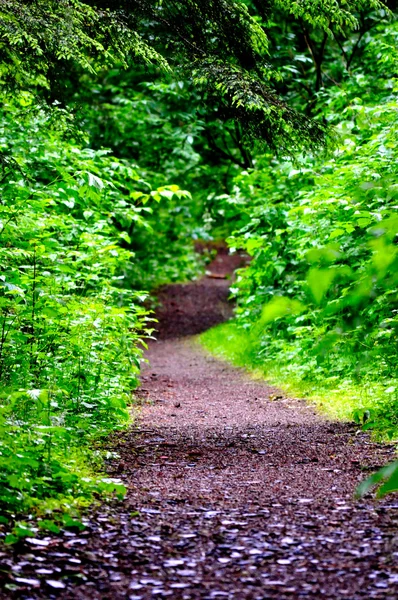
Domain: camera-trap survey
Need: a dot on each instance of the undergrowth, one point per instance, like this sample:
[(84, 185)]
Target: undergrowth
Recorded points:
[(369, 403), (73, 319)]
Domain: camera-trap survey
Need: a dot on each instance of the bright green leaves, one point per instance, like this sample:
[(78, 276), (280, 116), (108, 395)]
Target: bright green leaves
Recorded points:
[(93, 182), (384, 258), (319, 282), (321, 291), (280, 307), (329, 15), (71, 329), (385, 480), (72, 324), (167, 192)]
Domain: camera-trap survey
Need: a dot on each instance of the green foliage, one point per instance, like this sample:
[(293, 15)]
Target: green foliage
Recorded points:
[(71, 327), (36, 37), (316, 45), (320, 295), (255, 105), (162, 125), (385, 479), (217, 44), (329, 15)]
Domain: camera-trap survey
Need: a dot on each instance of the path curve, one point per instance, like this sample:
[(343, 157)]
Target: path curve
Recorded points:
[(235, 491)]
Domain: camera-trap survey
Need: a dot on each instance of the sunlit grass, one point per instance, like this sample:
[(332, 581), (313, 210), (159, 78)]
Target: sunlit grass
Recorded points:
[(341, 399)]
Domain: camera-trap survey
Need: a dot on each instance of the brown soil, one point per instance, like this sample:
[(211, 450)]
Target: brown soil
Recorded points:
[(188, 309), (235, 491)]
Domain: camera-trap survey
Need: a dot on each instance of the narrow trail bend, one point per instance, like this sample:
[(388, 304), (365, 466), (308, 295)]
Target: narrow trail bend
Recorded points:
[(235, 491)]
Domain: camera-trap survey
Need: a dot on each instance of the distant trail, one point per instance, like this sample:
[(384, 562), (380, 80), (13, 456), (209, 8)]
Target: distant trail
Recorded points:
[(235, 491)]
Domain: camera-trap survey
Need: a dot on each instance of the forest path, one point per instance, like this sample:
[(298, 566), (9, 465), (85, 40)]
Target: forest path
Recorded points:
[(235, 491)]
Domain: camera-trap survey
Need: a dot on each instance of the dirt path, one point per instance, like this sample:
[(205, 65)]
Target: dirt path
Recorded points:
[(234, 491)]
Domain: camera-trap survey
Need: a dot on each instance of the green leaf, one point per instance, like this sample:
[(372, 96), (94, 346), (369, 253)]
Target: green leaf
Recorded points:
[(280, 307), (48, 525), (386, 479), (319, 282)]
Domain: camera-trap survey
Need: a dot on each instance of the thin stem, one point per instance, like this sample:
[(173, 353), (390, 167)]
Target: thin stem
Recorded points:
[(33, 313)]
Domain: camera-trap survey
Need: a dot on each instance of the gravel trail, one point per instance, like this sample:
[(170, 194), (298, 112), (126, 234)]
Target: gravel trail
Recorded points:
[(235, 491)]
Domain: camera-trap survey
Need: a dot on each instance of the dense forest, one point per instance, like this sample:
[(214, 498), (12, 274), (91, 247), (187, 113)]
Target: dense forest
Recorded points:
[(135, 131)]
